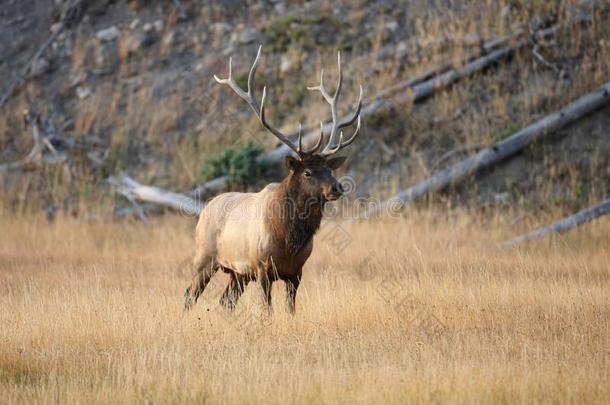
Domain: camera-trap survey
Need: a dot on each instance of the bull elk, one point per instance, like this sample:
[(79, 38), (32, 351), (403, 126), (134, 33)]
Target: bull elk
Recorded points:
[(268, 235)]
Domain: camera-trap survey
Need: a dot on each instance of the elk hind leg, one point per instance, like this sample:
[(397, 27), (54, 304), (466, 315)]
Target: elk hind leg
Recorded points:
[(292, 285), (234, 290)]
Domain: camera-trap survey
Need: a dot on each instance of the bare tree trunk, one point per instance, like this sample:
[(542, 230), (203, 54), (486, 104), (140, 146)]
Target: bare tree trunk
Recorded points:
[(209, 189), (498, 152), (564, 224), (132, 190)]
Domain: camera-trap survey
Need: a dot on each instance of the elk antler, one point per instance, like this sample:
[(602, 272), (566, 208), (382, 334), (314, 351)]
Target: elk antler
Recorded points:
[(330, 149), (260, 112)]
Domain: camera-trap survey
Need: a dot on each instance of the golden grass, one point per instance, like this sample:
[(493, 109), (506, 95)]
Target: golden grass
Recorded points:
[(424, 309)]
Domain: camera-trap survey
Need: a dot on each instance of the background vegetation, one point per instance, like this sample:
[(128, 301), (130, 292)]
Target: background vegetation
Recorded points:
[(145, 102)]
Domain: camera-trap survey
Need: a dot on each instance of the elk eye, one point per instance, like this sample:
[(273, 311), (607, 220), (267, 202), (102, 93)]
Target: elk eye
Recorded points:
[(307, 173)]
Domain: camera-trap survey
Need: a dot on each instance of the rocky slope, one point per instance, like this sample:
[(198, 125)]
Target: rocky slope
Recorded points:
[(128, 88)]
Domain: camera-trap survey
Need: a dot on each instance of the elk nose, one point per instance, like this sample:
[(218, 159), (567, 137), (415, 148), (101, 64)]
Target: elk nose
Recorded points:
[(337, 188)]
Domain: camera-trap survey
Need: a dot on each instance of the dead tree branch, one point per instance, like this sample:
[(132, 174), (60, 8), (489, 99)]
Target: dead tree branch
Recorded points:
[(562, 225), (497, 152), (135, 191), (541, 59), (536, 52), (463, 149), (43, 135)]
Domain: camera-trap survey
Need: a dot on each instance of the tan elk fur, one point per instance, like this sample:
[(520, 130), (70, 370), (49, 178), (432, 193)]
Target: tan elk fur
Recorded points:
[(268, 236)]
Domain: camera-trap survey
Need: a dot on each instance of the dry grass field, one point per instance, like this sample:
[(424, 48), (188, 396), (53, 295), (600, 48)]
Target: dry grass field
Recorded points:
[(422, 309)]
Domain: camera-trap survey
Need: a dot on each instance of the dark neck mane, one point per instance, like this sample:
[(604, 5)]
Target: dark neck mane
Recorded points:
[(293, 217)]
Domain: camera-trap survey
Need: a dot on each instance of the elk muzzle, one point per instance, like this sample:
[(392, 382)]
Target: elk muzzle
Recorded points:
[(333, 191)]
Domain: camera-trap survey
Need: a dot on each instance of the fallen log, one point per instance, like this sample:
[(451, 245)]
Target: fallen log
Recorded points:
[(562, 225), (497, 152), (209, 189), (484, 49), (134, 191)]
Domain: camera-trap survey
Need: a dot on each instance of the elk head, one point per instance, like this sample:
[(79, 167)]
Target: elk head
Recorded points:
[(310, 170)]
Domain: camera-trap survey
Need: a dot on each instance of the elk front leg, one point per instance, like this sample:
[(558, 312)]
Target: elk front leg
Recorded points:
[(234, 290), (292, 285), (203, 270), (266, 284)]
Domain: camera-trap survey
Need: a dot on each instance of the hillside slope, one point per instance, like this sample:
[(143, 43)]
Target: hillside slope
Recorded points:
[(130, 88)]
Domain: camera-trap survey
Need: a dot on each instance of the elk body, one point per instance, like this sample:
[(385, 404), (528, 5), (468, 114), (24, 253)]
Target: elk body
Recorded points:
[(268, 236)]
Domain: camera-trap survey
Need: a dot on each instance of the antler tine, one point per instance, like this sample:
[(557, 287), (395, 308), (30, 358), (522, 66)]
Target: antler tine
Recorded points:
[(251, 100), (252, 72), (331, 148), (330, 100), (341, 144), (356, 114), (350, 140), (230, 81), (299, 140), (274, 131), (333, 103), (340, 78), (321, 88), (318, 143)]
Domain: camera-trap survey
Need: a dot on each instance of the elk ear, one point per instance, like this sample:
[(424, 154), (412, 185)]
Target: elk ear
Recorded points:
[(293, 164), (335, 163)]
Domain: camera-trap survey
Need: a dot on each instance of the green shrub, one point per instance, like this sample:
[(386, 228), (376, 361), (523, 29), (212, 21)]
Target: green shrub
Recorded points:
[(506, 132), (240, 164)]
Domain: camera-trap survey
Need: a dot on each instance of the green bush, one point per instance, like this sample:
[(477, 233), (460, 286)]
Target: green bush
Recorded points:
[(506, 132), (240, 164)]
